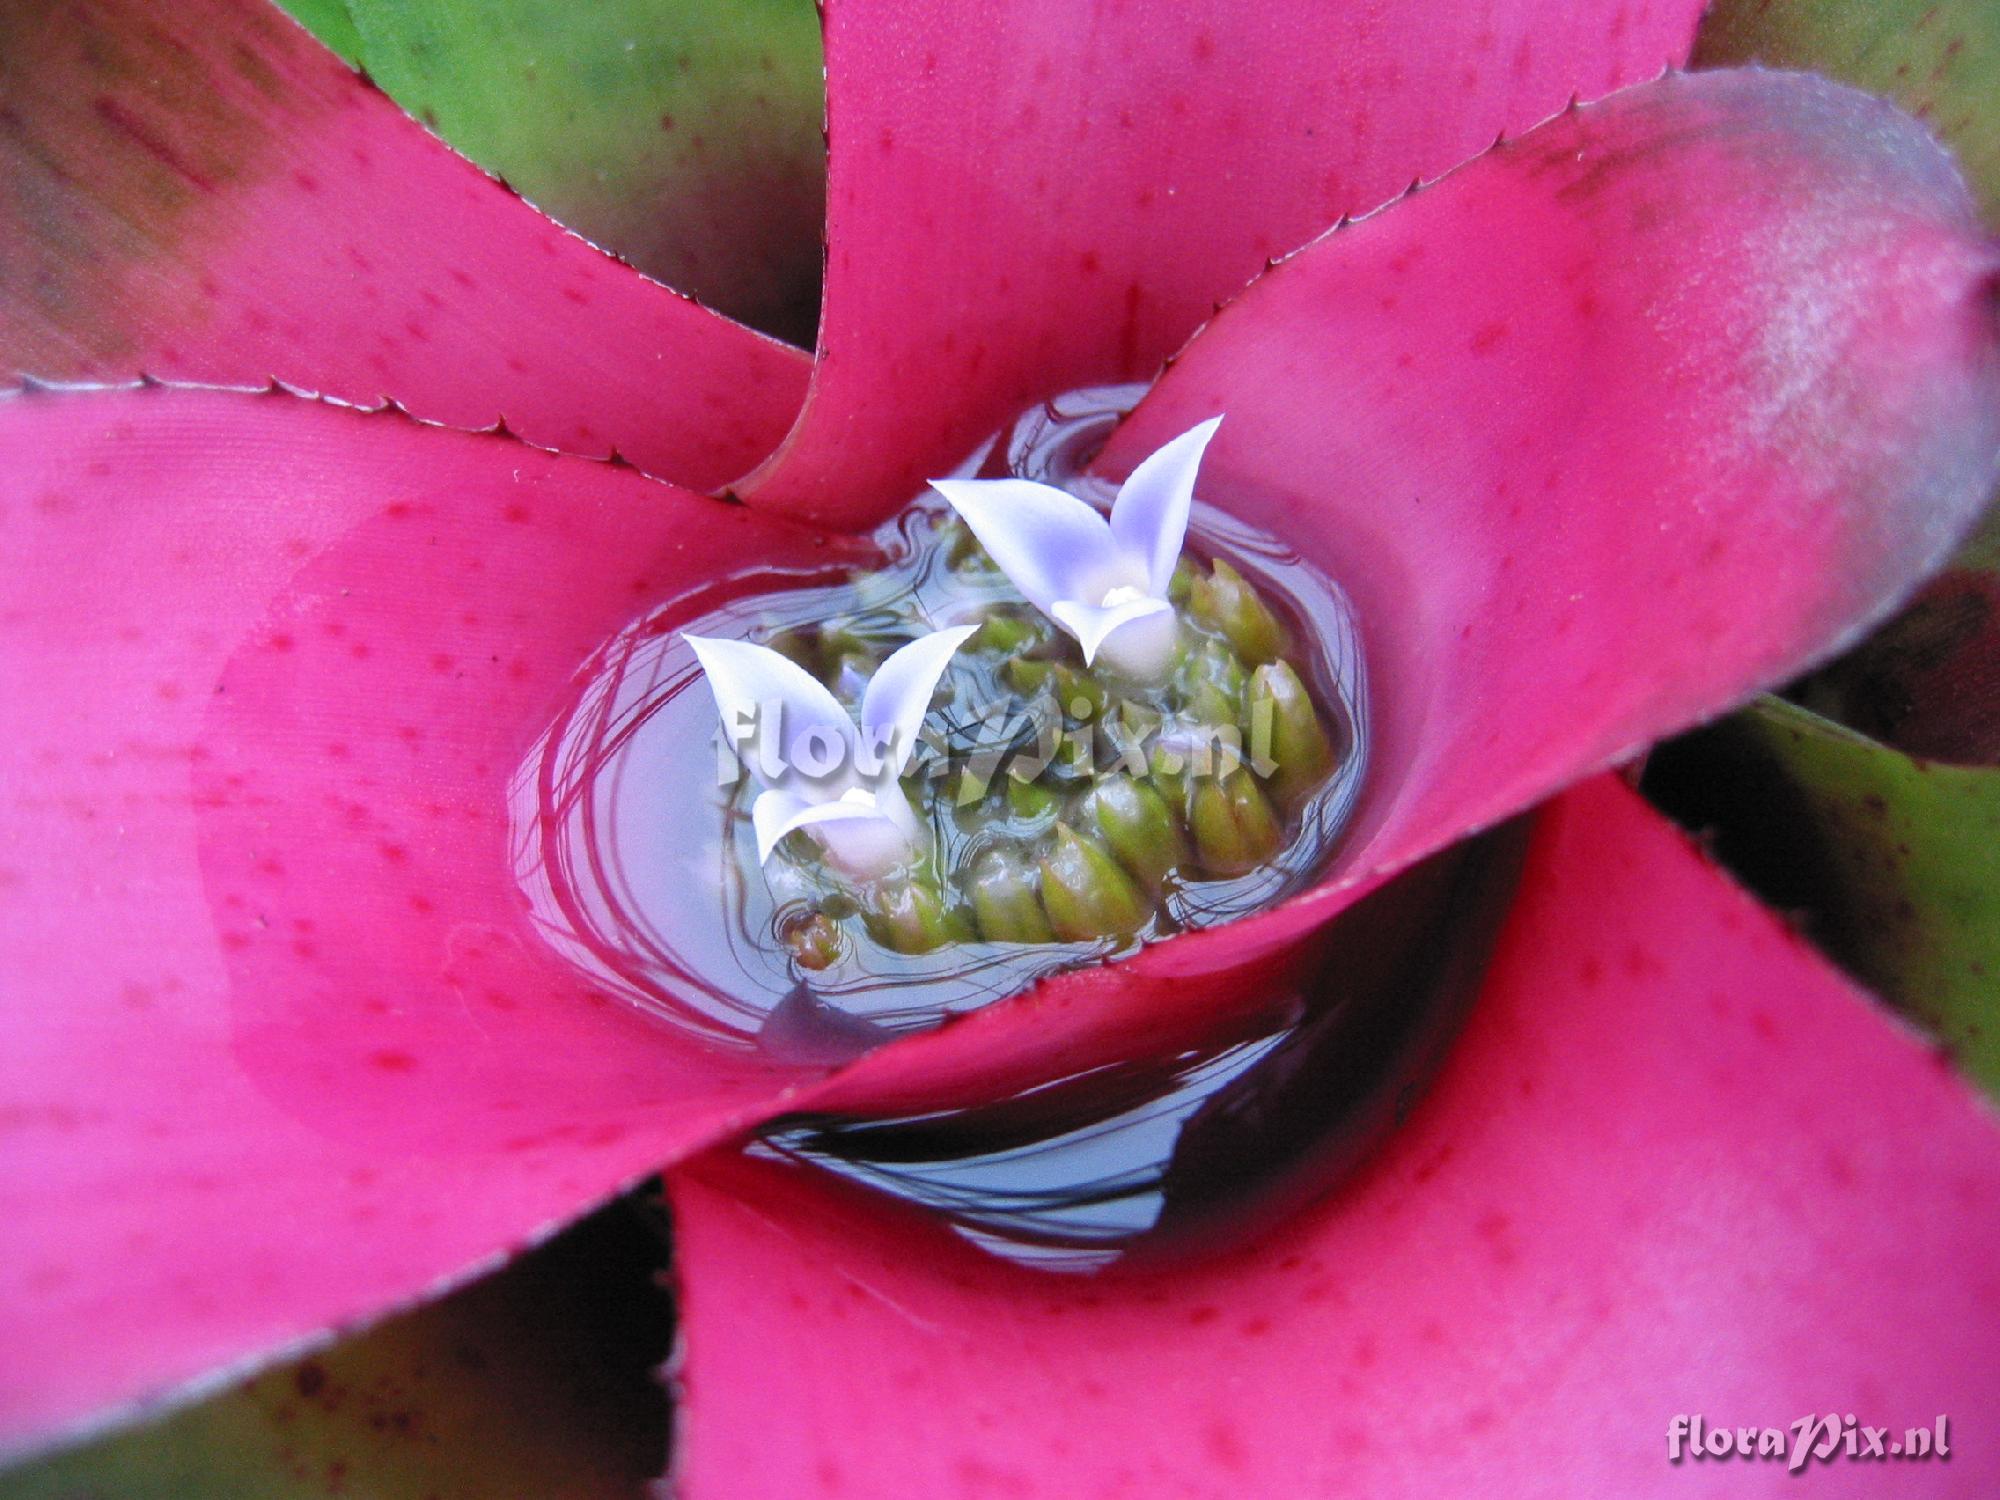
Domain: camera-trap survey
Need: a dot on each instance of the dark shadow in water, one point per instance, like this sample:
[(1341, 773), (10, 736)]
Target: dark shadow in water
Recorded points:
[(1189, 1154)]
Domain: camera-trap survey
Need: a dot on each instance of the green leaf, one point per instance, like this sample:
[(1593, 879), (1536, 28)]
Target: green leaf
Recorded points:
[(1938, 58), (1892, 863), (539, 1380), (682, 135), (1891, 855), (329, 21)]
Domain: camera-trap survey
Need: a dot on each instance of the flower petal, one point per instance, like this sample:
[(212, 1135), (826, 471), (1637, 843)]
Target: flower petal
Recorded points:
[(776, 812), (1028, 197), (281, 1049), (1050, 544), (1674, 1166), (200, 193), (1093, 625), (748, 679), (865, 838), (1150, 516), (899, 694)]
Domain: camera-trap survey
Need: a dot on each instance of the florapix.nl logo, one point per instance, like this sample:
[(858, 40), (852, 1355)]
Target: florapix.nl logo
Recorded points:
[(1831, 1437)]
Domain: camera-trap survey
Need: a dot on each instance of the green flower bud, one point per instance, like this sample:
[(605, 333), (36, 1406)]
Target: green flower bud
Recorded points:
[(1137, 719), (814, 940), (1082, 696), (1209, 663), (1169, 775), (838, 643), (1210, 705), (1234, 828), (1173, 787), (799, 645), (1284, 724), (910, 916), (1225, 601), (1129, 733), (1140, 828), (1005, 901), (1007, 633), (1026, 674), (1181, 585), (1085, 894), (1029, 800), (1215, 741)]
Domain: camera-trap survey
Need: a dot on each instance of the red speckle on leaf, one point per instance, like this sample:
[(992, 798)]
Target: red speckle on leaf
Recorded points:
[(1224, 1446)]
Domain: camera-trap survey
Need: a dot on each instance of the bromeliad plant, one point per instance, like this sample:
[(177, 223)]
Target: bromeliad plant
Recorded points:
[(1654, 403)]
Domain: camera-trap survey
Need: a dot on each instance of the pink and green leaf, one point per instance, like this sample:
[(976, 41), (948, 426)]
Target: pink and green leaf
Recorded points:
[(200, 193), (683, 136), (540, 1380), (281, 1050), (330, 21), (1033, 196), (1936, 58), (1722, 337), (1890, 863), (1674, 1166), (1929, 681), (1550, 423)]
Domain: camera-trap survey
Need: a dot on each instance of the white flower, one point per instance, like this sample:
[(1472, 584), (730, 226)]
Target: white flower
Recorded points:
[(1105, 582), (820, 771)]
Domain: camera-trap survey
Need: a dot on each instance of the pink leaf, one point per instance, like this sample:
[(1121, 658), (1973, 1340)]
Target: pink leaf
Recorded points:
[(1642, 412), (199, 192), (1037, 195), (280, 1050), (1606, 431), (1675, 1166)]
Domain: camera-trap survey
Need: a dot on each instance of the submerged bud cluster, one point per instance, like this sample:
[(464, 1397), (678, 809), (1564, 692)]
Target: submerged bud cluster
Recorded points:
[(1064, 802), (806, 809)]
